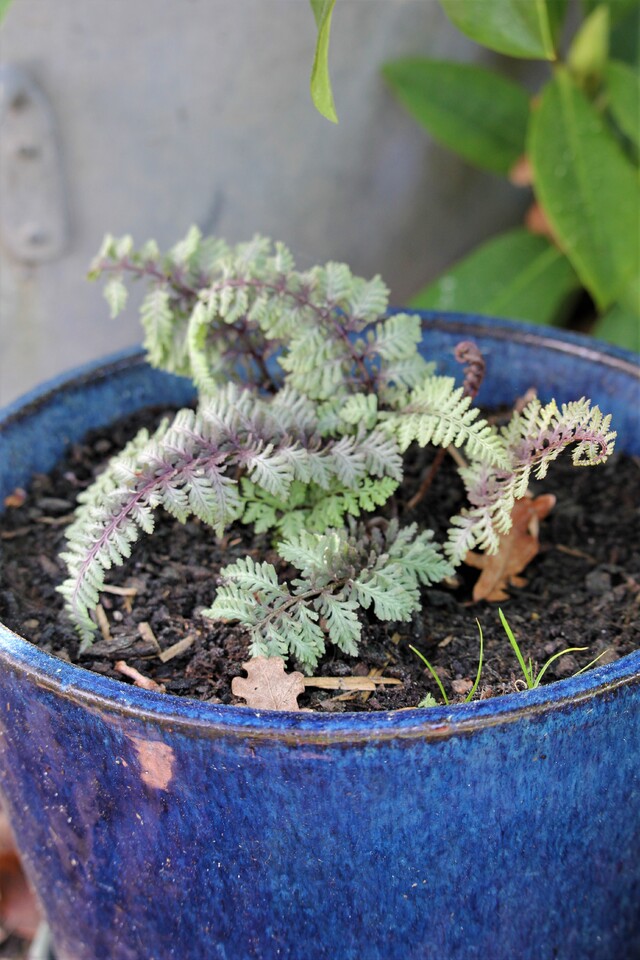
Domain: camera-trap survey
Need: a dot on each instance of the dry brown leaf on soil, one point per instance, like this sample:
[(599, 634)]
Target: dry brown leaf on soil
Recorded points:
[(267, 686), (19, 912), (516, 550)]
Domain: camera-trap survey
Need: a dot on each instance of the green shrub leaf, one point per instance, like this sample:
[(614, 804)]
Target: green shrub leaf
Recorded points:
[(477, 113), (623, 85), (587, 187), (625, 35), (556, 10), (321, 91), (621, 324), (516, 275), (589, 50), (520, 28), (618, 9)]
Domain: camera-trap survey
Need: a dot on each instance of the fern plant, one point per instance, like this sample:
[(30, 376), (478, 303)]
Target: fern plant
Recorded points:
[(309, 395), (341, 571)]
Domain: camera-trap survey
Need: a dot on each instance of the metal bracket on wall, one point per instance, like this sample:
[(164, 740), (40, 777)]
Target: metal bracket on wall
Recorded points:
[(34, 222)]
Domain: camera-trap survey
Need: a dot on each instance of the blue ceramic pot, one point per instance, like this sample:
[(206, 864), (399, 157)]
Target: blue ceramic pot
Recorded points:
[(154, 827)]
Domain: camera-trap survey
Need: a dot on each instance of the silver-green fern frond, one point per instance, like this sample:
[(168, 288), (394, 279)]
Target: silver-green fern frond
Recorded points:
[(531, 441), (342, 573), (189, 467), (213, 311), (439, 413)]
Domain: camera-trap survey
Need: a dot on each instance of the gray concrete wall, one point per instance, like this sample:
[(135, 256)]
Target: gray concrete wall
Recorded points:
[(172, 112)]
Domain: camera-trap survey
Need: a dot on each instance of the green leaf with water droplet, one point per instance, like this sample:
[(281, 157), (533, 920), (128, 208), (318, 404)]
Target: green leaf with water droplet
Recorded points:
[(587, 187), (474, 111), (321, 91), (515, 275), (520, 28)]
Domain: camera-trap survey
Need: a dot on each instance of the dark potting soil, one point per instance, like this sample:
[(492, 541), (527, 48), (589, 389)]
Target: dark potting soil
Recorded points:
[(582, 590)]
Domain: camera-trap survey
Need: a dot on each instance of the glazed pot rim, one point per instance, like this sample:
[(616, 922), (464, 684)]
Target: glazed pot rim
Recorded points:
[(81, 686)]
